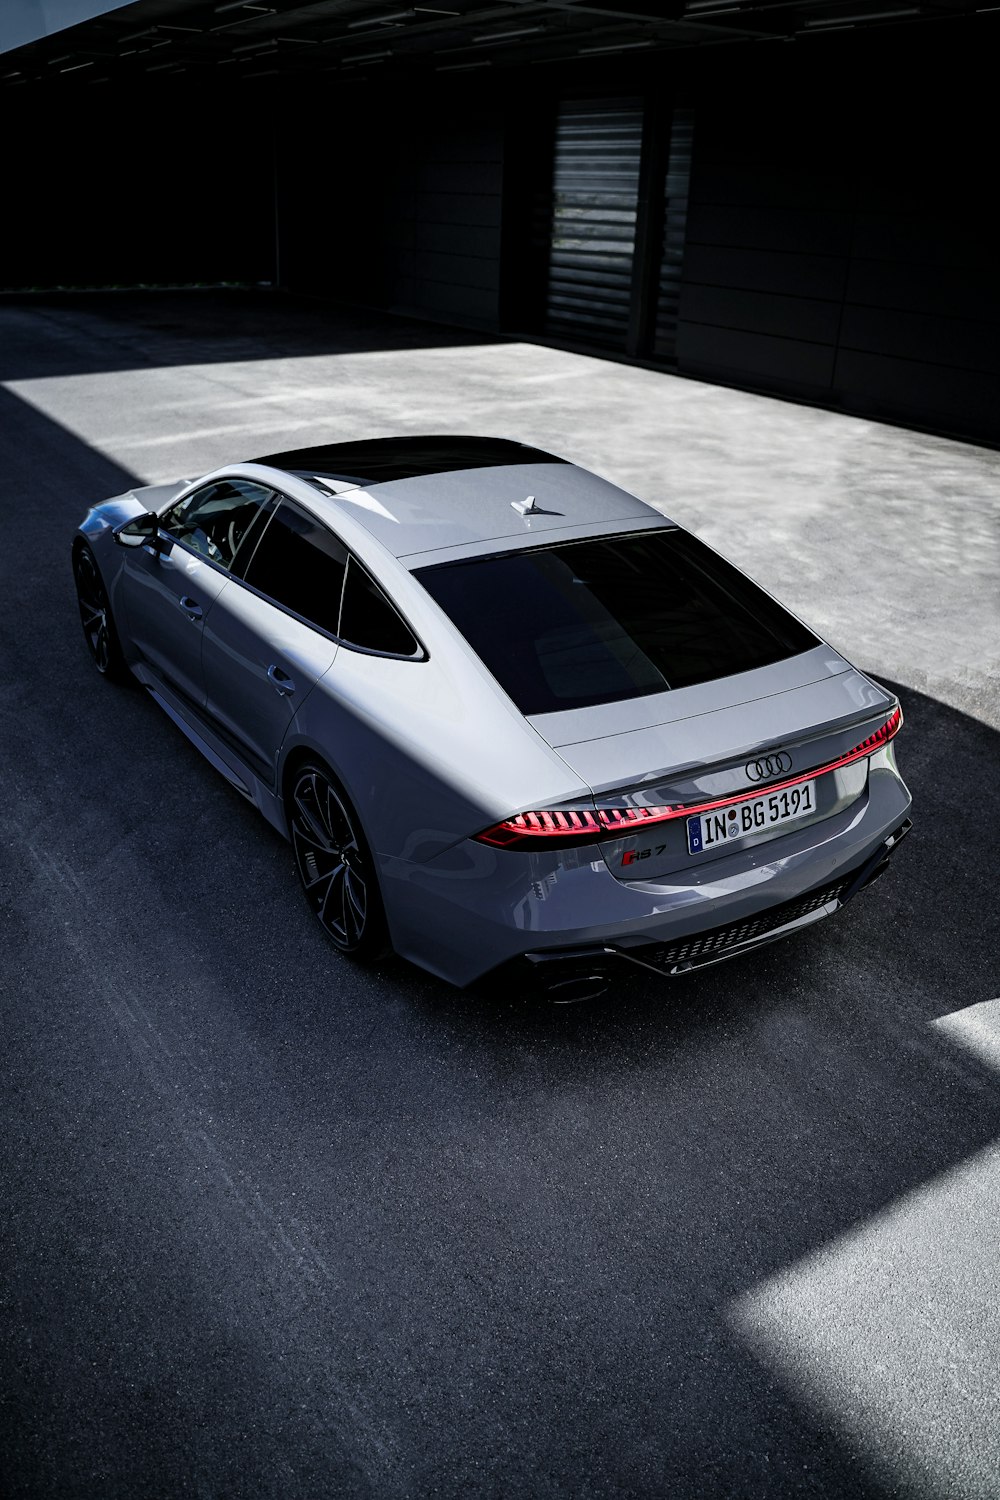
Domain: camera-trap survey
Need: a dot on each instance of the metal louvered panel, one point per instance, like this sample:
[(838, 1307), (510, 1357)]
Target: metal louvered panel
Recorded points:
[(674, 233), (597, 152)]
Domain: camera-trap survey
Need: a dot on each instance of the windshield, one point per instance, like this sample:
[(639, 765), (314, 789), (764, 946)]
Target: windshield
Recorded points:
[(618, 617)]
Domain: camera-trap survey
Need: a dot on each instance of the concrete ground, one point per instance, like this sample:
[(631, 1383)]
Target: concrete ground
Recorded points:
[(276, 1227)]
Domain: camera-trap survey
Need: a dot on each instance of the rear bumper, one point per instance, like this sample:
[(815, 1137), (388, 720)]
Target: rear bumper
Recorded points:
[(581, 973), (475, 908)]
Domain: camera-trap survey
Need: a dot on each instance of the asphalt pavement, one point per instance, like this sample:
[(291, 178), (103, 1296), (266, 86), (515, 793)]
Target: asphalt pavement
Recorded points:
[(274, 1226)]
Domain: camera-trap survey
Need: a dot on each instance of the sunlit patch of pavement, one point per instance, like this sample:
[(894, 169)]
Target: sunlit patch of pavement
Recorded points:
[(977, 1028), (892, 1331)]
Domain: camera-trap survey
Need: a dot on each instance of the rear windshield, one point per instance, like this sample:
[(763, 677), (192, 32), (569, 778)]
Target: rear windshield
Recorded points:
[(598, 621)]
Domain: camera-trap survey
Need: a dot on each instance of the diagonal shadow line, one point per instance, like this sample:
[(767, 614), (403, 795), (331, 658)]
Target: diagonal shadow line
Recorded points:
[(49, 474), (74, 333)]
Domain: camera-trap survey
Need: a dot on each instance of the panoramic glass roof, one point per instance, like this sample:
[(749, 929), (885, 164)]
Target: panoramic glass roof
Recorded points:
[(380, 460)]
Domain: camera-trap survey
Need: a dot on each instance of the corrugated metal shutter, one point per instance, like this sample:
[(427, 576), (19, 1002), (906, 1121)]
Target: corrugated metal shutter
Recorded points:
[(597, 151), (674, 233)]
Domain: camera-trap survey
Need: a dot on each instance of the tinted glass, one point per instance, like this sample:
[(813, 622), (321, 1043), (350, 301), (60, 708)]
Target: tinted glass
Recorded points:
[(214, 521), (301, 565), (369, 620), (594, 622), (253, 534), (380, 460)]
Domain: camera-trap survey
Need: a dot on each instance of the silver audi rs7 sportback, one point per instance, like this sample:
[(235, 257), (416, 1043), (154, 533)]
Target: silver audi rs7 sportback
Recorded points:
[(502, 709)]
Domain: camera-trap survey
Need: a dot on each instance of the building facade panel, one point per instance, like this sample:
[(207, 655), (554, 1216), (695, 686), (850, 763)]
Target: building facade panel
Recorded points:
[(813, 220)]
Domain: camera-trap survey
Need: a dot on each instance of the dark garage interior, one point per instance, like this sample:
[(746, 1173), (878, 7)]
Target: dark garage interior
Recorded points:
[(278, 1226), (787, 197)]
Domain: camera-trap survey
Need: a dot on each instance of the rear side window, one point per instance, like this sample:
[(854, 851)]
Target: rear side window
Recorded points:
[(620, 617), (300, 564), (369, 620)]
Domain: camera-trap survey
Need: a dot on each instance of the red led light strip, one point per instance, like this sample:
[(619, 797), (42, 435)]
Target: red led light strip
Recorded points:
[(580, 826)]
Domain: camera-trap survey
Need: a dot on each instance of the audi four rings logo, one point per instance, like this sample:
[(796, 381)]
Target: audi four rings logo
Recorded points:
[(768, 766)]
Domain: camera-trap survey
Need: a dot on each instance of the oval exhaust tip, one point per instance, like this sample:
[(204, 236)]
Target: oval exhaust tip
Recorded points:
[(573, 988)]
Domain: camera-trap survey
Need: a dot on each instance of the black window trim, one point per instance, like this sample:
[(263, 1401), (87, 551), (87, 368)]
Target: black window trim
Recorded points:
[(421, 653)]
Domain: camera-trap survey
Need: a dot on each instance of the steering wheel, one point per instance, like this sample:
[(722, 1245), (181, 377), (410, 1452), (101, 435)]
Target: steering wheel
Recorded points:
[(199, 539)]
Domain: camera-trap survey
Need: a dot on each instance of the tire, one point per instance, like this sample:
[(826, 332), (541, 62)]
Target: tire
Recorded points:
[(96, 618), (335, 866)]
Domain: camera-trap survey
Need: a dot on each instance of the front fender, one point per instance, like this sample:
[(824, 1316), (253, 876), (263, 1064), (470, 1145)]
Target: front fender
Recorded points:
[(115, 512), (97, 530)]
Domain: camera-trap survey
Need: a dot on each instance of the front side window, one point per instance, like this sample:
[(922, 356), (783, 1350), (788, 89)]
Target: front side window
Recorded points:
[(214, 521), (300, 564), (598, 621)]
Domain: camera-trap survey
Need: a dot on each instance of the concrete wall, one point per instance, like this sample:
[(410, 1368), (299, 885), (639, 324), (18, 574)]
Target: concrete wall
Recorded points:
[(441, 218), (839, 245), (395, 203)]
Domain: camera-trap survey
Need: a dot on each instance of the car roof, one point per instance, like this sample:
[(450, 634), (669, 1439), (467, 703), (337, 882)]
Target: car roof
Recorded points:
[(431, 499)]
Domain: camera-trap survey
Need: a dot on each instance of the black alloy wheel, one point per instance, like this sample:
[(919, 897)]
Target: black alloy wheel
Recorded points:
[(334, 865), (95, 615)]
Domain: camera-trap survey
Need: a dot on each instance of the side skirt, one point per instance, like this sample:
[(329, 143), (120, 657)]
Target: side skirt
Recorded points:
[(216, 751)]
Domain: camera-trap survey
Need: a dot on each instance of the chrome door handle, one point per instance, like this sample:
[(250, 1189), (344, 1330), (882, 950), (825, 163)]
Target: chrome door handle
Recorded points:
[(280, 680), (191, 607)]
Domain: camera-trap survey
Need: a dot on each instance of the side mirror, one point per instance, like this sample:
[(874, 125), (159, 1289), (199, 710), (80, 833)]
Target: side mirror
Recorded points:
[(140, 532)]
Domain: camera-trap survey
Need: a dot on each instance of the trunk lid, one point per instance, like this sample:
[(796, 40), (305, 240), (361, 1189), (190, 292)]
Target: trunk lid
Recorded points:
[(712, 741)]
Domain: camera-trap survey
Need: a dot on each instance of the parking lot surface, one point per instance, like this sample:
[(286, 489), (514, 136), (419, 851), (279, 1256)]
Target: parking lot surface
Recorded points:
[(275, 1226)]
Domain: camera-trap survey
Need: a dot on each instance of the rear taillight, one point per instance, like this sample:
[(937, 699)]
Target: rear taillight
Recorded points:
[(573, 826), (565, 827), (881, 736)]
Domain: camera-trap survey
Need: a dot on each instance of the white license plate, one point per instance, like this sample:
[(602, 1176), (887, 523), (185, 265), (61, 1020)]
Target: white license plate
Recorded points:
[(756, 815)]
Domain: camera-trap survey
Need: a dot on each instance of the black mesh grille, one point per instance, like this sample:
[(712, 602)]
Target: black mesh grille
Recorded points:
[(702, 946)]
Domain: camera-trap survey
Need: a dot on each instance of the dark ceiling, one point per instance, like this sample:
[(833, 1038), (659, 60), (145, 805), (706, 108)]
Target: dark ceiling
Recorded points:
[(258, 38)]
